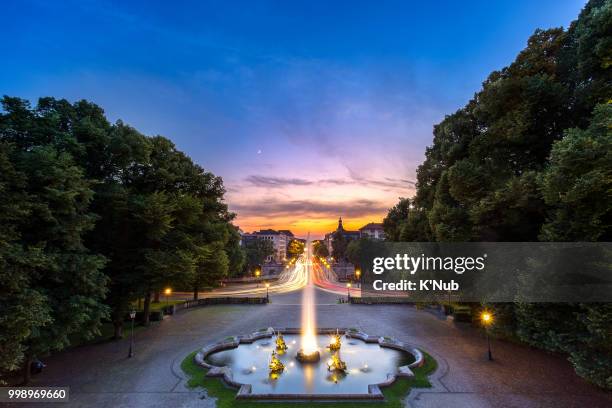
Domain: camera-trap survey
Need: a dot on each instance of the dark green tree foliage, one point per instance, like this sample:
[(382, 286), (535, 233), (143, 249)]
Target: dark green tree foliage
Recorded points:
[(355, 251), (395, 219), (577, 185), (339, 245), (92, 212), (295, 248), (406, 222), (527, 159), (59, 277), (24, 309), (320, 249), (236, 255), (257, 250)]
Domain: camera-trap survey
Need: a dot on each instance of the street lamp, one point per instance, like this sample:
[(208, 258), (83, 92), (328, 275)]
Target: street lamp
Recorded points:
[(348, 290), (268, 292), (131, 352), (487, 319), (257, 274), (167, 292), (358, 275)]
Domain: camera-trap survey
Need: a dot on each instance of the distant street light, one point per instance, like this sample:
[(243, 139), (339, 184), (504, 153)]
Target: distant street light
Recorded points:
[(167, 292), (257, 274), (348, 290), (487, 319), (268, 292), (358, 275), (131, 352)]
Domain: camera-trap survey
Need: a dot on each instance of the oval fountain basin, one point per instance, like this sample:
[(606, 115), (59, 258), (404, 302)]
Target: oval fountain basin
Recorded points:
[(367, 363)]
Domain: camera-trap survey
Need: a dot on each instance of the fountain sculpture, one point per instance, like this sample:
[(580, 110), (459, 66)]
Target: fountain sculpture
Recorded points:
[(281, 346), (276, 366), (335, 343), (335, 364), (368, 360)]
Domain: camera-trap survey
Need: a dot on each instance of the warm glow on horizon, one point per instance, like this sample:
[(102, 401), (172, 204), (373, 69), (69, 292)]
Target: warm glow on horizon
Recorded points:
[(312, 203), (317, 227)]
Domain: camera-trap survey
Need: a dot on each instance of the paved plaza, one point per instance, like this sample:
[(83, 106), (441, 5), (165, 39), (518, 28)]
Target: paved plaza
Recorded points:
[(101, 375)]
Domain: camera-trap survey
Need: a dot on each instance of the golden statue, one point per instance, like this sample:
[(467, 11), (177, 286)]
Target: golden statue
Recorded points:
[(335, 364), (281, 346), (335, 342), (276, 366)]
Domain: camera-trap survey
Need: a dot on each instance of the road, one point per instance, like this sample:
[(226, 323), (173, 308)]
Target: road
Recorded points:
[(293, 278), (290, 279)]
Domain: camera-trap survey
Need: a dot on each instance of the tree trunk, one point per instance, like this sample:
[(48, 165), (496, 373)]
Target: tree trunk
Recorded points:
[(156, 298), (118, 325), (196, 291), (27, 373), (146, 309)]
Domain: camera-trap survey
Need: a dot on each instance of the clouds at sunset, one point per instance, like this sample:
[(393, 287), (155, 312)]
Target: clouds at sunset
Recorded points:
[(329, 119)]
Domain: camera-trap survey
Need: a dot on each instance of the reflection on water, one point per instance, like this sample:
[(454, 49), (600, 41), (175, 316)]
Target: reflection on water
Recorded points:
[(366, 364)]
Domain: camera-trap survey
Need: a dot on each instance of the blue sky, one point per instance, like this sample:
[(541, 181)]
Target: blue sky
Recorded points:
[(308, 110)]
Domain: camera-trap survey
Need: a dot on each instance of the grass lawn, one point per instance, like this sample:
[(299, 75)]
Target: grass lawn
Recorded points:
[(394, 394)]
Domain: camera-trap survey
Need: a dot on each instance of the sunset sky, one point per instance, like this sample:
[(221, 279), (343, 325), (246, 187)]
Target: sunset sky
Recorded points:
[(308, 110)]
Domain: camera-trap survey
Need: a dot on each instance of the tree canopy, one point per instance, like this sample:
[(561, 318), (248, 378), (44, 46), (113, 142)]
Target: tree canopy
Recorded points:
[(94, 215), (529, 159)]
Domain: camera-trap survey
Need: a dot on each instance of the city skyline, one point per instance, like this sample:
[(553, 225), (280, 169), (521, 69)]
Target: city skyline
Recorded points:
[(331, 119)]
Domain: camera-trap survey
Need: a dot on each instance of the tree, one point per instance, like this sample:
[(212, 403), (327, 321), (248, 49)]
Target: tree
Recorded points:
[(66, 277), (320, 249), (355, 251), (339, 245), (395, 219), (257, 250), (235, 253), (527, 159), (211, 268), (577, 185), (86, 188), (295, 248), (24, 309)]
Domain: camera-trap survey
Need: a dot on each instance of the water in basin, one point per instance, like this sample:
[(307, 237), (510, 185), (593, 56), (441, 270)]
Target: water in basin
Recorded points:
[(366, 364)]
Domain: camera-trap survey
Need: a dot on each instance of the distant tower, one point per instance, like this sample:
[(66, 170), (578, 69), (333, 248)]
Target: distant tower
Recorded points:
[(340, 228)]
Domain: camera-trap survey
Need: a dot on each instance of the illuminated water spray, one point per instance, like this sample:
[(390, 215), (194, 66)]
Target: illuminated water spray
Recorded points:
[(309, 350)]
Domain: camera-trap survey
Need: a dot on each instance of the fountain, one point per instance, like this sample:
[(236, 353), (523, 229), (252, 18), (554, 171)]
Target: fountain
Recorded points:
[(367, 363), (309, 353)]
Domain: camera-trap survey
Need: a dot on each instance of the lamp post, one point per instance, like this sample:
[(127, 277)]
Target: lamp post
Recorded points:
[(358, 276), (348, 290), (257, 274), (268, 292), (487, 319), (132, 317)]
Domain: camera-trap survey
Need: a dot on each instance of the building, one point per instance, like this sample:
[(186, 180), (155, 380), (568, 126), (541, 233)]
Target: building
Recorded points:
[(280, 239), (372, 230), (348, 235)]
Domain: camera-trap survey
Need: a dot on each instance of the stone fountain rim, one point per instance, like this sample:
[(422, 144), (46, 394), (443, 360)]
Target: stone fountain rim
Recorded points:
[(245, 391)]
